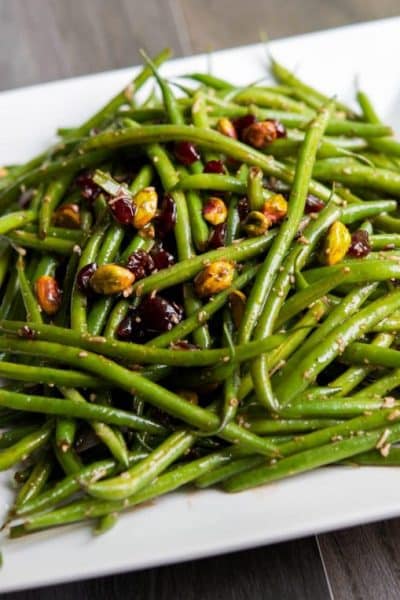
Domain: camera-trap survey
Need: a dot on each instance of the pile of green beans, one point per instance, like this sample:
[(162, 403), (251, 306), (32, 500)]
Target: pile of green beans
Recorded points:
[(201, 290)]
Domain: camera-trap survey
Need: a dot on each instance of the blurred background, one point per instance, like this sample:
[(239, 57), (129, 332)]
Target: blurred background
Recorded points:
[(42, 40)]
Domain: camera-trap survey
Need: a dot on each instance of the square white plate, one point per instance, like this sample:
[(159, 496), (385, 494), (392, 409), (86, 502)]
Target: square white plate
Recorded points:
[(190, 525)]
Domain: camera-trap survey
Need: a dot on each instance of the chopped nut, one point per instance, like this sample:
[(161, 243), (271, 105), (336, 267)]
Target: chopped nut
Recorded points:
[(394, 415), (383, 439), (388, 402), (67, 215), (385, 450), (214, 278), (237, 304), (215, 211), (261, 133), (145, 203), (275, 209), (48, 294), (111, 279), (226, 127), (337, 243), (256, 223)]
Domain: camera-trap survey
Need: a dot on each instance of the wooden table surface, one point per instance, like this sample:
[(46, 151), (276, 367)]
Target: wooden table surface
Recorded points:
[(42, 40)]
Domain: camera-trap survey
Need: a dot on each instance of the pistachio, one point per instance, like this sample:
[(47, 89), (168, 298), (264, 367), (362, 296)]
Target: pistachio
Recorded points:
[(67, 215), (275, 209), (237, 304), (215, 211), (337, 243), (48, 294), (145, 203), (214, 278), (226, 127), (256, 223), (261, 133), (111, 279)]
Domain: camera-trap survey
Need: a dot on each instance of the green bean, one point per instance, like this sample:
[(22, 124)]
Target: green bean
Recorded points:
[(119, 311), (36, 481), (78, 300), (9, 437), (387, 223), (104, 432), (353, 174), (68, 459), (52, 198), (48, 375), (310, 459), (71, 484), (137, 477), (15, 220), (235, 465), (32, 308), (9, 295), (106, 523), (337, 407), (267, 272), (361, 353), (305, 297), (269, 99), (25, 446), (49, 244), (5, 254), (261, 291), (135, 352), (305, 372), (285, 76), (63, 407), (360, 271), (354, 375), (264, 426), (129, 380), (255, 188), (384, 241), (358, 212), (85, 509)]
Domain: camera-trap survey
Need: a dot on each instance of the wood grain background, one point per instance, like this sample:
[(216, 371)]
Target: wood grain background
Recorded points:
[(42, 40)]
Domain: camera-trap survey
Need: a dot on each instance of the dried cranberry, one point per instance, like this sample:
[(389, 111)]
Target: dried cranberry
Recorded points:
[(313, 204), (360, 244), (84, 276), (280, 129), (217, 237), (122, 209), (242, 123), (243, 208), (27, 332), (214, 166), (161, 258), (186, 153), (141, 264), (89, 189), (167, 217), (159, 315), (126, 327), (25, 198)]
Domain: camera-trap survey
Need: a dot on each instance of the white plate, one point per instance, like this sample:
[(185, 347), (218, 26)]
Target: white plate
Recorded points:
[(191, 525)]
